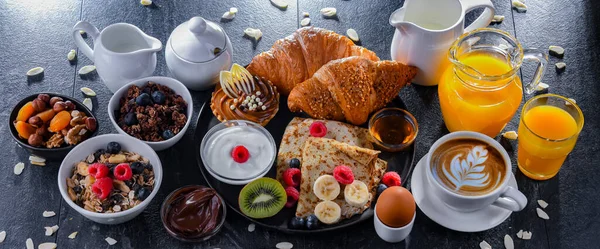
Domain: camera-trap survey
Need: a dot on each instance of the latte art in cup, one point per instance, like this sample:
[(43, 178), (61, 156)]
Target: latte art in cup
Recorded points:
[(468, 167)]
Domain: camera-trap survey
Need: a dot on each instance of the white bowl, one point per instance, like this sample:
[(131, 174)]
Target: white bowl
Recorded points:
[(91, 145), (176, 86), (392, 234)]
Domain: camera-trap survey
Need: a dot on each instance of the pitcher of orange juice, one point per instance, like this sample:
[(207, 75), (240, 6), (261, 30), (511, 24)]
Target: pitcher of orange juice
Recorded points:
[(480, 91)]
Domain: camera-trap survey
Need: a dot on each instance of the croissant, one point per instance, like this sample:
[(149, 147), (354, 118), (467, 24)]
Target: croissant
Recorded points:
[(350, 89), (297, 57)]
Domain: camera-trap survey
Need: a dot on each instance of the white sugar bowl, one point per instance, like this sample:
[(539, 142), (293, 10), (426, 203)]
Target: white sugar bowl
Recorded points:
[(197, 51)]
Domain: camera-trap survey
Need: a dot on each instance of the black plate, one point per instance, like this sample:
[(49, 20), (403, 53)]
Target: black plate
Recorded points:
[(401, 162)]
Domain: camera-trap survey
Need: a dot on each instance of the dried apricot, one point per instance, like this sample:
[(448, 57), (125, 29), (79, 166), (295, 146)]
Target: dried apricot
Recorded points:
[(24, 129), (60, 121), (25, 112), (46, 115)]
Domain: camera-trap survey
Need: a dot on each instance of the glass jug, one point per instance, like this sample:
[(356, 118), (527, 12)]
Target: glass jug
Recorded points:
[(480, 91)]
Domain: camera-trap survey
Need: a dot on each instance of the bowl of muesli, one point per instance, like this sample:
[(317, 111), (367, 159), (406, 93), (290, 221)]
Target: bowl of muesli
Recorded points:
[(110, 179), (156, 110)]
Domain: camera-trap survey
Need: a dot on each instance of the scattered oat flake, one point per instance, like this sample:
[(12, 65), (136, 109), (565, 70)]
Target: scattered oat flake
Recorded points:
[(251, 227), (541, 86), (35, 71), (508, 242), (284, 245), (484, 245), (497, 19), (2, 236), (47, 245), (72, 235), (519, 5), (328, 12), (29, 243), (110, 241), (254, 33), (19, 168), (87, 69), (520, 234), (542, 214), (88, 91), (526, 235), (305, 22), (38, 163), (543, 203), (146, 2), (72, 55), (48, 214), (557, 51), (352, 34), (560, 66), (38, 159), (233, 10), (228, 15), (512, 135), (51, 230), (280, 3), (88, 103)]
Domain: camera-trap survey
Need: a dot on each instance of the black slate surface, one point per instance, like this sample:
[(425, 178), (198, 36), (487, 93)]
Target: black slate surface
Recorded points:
[(38, 33)]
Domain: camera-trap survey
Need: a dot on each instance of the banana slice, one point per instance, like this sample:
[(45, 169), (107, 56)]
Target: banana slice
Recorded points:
[(328, 212), (356, 193), (326, 188)]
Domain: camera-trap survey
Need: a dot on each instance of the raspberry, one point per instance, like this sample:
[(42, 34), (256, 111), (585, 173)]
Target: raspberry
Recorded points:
[(102, 187), (122, 172), (98, 170), (391, 179), (240, 154), (292, 196), (343, 174), (318, 129), (292, 177)]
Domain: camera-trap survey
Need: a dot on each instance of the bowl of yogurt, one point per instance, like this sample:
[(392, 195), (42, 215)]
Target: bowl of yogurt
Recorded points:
[(237, 152)]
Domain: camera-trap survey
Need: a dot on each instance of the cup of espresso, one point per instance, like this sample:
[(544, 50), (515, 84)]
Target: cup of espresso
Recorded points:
[(469, 171)]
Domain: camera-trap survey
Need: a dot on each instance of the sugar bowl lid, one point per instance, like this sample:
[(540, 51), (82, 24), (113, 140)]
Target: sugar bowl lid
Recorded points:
[(198, 40)]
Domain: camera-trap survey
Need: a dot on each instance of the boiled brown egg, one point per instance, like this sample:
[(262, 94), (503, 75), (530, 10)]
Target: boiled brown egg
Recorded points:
[(395, 207)]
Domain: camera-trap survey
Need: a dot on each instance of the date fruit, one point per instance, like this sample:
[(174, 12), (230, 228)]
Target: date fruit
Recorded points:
[(35, 140), (38, 105), (35, 121), (53, 100)]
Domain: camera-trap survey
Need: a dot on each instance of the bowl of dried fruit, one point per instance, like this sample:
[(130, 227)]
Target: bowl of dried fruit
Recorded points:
[(110, 179), (156, 110), (49, 125)]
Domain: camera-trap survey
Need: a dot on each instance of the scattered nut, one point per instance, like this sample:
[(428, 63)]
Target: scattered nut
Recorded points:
[(251, 227), (146, 2), (35, 121), (512, 135), (526, 235), (47, 245), (110, 240), (542, 214), (72, 235), (484, 245), (556, 51), (35, 140), (35, 71), (560, 66), (38, 105), (508, 242), (284, 245), (520, 234), (90, 123), (328, 12), (228, 15), (305, 22), (19, 168), (48, 214), (253, 33), (53, 100), (497, 19), (352, 34), (542, 203), (29, 243), (282, 4), (519, 6), (87, 69), (72, 55), (38, 159), (2, 236)]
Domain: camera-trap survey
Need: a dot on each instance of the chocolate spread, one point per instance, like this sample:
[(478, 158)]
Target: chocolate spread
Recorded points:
[(193, 212)]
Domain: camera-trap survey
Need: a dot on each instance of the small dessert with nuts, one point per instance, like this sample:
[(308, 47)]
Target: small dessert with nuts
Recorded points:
[(52, 122), (111, 180), (152, 112), (242, 96)]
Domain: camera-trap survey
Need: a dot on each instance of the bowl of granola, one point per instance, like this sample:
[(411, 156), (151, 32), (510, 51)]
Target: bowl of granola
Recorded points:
[(110, 179), (156, 110)]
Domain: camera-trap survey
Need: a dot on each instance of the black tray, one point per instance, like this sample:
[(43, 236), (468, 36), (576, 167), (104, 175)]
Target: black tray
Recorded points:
[(401, 162)]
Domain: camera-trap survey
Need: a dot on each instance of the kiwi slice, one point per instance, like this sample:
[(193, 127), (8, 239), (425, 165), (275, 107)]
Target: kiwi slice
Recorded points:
[(262, 198)]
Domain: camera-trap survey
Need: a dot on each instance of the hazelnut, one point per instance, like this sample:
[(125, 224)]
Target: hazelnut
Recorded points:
[(35, 140), (53, 100), (70, 105), (38, 105), (90, 123), (35, 121), (59, 106), (44, 97), (42, 131)]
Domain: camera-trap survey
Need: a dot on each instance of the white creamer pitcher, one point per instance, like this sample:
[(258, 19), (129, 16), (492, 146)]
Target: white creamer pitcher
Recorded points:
[(122, 52), (425, 29)]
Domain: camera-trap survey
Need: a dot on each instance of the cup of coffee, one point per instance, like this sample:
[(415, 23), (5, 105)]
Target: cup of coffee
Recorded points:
[(469, 171)]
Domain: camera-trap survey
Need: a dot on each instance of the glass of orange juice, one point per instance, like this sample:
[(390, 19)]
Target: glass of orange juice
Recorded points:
[(480, 90), (548, 131)]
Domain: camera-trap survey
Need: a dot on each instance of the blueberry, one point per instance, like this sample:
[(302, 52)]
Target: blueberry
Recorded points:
[(113, 148), (131, 119), (148, 166), (137, 167), (167, 134), (98, 153), (312, 222), (381, 188), (294, 163), (143, 100), (297, 223), (159, 97), (143, 193)]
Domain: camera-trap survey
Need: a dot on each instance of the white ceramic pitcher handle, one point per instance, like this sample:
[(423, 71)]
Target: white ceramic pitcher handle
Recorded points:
[(91, 31), (485, 18), (512, 199)]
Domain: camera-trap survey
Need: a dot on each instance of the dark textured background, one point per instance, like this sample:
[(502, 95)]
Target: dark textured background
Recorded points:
[(38, 33)]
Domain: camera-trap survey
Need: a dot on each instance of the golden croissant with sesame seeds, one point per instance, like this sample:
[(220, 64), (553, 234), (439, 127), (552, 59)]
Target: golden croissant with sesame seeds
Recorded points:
[(350, 89)]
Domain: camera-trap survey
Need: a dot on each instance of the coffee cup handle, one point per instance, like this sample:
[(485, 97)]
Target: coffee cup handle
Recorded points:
[(512, 199), (485, 18), (92, 31)]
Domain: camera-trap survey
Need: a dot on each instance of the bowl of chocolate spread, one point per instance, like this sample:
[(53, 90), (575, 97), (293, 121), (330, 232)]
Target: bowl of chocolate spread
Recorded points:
[(193, 213)]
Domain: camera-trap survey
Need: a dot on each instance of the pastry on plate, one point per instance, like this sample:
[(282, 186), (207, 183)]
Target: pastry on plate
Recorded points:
[(297, 57), (349, 89), (254, 98), (320, 156)]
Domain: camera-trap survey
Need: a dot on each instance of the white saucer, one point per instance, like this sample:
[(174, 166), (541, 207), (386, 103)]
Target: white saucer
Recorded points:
[(437, 211)]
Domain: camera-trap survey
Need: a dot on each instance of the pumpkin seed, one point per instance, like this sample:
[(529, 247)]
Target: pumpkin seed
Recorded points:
[(35, 71), (352, 34), (72, 55), (519, 6), (508, 242), (497, 19), (29, 243), (282, 4), (48, 214), (305, 22), (47, 245), (228, 15), (542, 214), (557, 51), (88, 91), (305, 14), (110, 241), (560, 66), (329, 12), (254, 33), (484, 245), (86, 70), (512, 135), (2, 236), (88, 103), (146, 2), (542, 203), (19, 168), (233, 10), (72, 235), (541, 87)]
